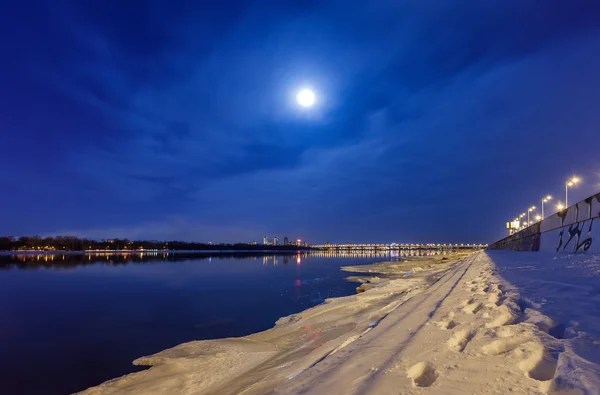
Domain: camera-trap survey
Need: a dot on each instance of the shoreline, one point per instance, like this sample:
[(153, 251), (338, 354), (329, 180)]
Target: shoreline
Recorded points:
[(261, 361)]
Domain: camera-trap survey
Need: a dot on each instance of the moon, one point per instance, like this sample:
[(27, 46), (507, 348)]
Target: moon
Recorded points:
[(306, 98)]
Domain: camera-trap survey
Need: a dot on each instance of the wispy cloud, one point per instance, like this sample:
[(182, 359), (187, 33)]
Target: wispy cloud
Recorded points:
[(430, 119)]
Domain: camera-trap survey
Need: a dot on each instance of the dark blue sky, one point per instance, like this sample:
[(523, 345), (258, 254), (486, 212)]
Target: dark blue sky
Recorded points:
[(436, 120)]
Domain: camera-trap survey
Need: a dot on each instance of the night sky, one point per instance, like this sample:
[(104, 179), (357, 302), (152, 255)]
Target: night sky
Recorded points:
[(435, 121)]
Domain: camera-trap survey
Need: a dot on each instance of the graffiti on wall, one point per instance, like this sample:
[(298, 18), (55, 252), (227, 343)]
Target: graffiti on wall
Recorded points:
[(569, 230), (574, 233)]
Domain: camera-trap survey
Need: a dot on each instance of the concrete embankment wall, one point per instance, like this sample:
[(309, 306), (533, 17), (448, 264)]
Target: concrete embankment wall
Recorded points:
[(569, 230)]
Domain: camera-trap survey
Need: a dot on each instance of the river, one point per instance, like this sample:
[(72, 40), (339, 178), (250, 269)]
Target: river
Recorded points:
[(73, 321)]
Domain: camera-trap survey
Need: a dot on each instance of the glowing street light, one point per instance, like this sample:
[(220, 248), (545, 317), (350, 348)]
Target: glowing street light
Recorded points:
[(545, 200), (570, 183), (538, 217), (560, 206), (529, 210)]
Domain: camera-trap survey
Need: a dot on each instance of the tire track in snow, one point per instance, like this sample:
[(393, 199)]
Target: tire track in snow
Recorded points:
[(381, 346)]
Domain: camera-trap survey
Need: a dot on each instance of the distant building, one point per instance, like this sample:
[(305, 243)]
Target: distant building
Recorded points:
[(298, 242), (275, 240), (286, 241), (266, 240)]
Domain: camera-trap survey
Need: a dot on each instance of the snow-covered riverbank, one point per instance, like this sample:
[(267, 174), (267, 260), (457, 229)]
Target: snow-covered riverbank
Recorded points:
[(454, 326)]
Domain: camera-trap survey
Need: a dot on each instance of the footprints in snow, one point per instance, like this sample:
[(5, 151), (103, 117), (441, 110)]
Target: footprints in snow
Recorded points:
[(507, 315), (507, 311), (460, 339), (472, 306), (447, 322), (541, 363), (502, 346), (536, 357), (422, 374)]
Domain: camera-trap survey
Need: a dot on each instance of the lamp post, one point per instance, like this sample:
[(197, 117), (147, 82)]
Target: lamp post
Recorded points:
[(568, 184), (521, 216), (529, 210), (545, 200), (560, 206)]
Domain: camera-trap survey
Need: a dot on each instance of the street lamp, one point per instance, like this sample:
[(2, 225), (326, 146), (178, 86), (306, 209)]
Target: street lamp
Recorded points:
[(530, 209), (521, 216), (568, 184), (560, 206), (545, 200), (538, 217)]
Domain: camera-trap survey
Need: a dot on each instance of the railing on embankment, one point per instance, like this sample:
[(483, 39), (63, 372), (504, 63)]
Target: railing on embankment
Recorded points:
[(569, 230)]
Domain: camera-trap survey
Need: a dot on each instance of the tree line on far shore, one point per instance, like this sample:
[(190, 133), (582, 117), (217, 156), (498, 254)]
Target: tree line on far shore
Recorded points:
[(72, 243)]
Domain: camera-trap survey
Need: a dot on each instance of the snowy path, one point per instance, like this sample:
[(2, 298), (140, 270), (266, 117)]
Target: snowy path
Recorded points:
[(464, 334), (349, 371)]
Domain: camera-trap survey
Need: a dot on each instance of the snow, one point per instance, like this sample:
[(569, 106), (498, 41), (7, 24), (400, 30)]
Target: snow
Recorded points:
[(565, 287), (492, 322)]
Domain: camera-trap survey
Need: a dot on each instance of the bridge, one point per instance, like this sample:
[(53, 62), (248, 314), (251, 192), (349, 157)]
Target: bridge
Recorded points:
[(398, 247)]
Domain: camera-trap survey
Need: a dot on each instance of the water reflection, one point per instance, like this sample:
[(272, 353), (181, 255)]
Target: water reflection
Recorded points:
[(92, 314), (393, 255), (32, 260)]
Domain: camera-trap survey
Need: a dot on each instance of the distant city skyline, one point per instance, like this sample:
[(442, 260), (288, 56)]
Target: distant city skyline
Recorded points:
[(286, 241)]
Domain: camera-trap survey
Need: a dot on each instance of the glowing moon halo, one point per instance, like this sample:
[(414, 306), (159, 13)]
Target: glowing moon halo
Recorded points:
[(306, 98)]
